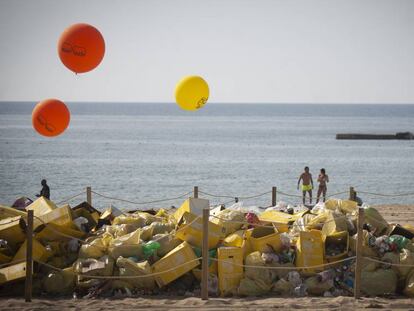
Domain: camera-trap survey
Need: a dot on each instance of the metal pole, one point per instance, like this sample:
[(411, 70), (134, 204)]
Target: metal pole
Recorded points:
[(204, 264), (29, 257), (195, 192), (274, 196), (359, 257), (89, 195)]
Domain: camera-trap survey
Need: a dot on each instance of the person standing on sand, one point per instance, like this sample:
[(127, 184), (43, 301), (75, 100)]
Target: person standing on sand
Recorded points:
[(45, 192), (322, 179), (307, 184)]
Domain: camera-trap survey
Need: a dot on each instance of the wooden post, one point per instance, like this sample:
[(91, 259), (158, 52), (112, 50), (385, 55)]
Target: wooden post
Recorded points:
[(352, 194), (89, 195), (205, 254), (29, 257), (274, 196), (359, 257), (195, 192)]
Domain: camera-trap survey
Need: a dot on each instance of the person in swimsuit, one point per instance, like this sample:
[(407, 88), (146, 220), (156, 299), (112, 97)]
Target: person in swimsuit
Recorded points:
[(322, 179), (307, 184)]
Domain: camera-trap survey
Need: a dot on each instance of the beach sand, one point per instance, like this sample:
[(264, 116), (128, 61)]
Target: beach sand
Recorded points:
[(403, 214)]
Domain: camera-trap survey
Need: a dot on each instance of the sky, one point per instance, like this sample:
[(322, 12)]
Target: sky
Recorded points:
[(292, 51)]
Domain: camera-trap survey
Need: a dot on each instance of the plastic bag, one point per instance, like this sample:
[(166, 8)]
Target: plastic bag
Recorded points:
[(400, 241), (316, 287), (283, 287), (150, 249), (229, 220), (409, 285), (95, 248), (250, 287), (127, 267), (146, 233), (59, 282), (255, 259), (162, 227), (132, 219), (404, 258), (126, 246), (167, 243), (379, 282)]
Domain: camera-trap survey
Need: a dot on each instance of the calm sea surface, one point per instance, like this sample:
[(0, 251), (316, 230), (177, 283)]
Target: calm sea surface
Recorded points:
[(144, 152)]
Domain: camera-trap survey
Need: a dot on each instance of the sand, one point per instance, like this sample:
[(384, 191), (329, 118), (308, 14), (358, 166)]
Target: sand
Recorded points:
[(403, 214)]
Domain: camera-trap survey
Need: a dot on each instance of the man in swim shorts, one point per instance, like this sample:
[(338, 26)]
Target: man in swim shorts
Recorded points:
[(307, 184)]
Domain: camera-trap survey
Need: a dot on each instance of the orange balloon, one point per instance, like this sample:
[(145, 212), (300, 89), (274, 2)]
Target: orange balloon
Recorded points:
[(50, 117), (81, 48)]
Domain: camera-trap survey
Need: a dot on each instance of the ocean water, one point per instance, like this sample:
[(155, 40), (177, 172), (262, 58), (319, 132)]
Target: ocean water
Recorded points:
[(145, 152)]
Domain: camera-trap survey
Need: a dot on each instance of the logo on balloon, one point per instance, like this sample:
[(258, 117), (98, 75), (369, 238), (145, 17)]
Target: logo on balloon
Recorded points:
[(201, 102), (76, 50), (49, 127)]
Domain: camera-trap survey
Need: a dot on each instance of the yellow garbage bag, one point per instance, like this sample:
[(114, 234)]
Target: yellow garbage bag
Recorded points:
[(334, 223), (126, 246), (315, 287), (255, 259), (128, 267), (149, 218), (120, 230), (343, 206), (409, 285), (283, 287), (379, 282), (229, 220), (59, 282), (405, 257), (146, 232), (167, 243), (250, 287), (95, 248), (131, 219), (162, 227)]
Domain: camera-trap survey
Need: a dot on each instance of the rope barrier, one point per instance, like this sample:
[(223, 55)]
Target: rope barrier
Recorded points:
[(235, 196), (285, 268), (141, 203), (388, 263), (71, 198), (109, 277), (386, 195)]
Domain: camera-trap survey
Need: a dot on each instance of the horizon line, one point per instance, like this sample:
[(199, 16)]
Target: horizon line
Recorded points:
[(214, 103)]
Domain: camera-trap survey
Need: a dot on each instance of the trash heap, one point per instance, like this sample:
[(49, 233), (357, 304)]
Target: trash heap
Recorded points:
[(82, 252)]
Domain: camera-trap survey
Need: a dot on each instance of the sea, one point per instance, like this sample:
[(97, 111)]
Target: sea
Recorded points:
[(132, 154)]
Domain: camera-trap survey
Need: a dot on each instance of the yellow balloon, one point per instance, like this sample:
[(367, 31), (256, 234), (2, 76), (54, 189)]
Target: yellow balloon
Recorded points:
[(191, 93)]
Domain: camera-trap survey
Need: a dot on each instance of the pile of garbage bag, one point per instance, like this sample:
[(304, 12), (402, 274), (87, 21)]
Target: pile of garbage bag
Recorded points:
[(282, 251)]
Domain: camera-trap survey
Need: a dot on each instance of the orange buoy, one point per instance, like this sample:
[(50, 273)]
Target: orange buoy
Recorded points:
[(81, 48), (50, 117)]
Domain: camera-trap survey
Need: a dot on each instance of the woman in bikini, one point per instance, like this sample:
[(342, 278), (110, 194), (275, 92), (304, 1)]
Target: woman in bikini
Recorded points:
[(322, 179)]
